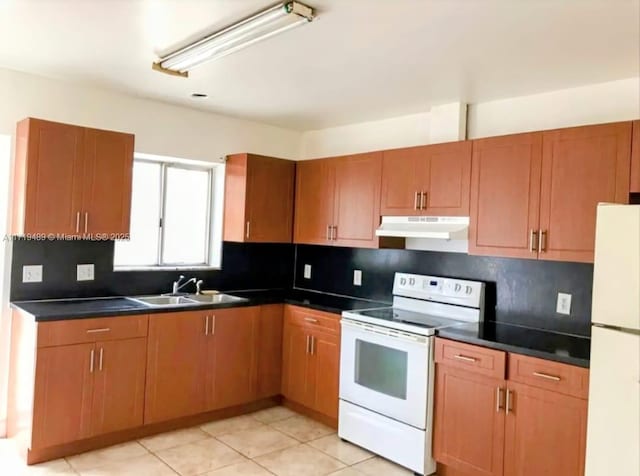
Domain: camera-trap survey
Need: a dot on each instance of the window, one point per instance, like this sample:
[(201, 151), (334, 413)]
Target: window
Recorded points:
[(173, 216)]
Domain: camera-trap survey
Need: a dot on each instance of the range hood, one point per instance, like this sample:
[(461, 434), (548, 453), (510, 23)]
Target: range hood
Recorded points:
[(428, 233)]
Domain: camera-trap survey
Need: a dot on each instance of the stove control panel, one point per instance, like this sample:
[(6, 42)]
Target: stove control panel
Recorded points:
[(434, 288)]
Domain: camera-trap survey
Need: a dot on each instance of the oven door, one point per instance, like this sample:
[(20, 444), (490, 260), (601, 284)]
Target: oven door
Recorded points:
[(386, 371)]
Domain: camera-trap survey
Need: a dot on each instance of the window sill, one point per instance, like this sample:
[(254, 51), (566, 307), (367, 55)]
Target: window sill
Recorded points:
[(117, 269)]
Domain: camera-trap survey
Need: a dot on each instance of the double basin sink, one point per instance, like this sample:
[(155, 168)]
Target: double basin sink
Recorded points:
[(186, 300)]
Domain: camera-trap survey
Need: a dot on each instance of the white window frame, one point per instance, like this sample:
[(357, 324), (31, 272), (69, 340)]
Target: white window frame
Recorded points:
[(213, 243)]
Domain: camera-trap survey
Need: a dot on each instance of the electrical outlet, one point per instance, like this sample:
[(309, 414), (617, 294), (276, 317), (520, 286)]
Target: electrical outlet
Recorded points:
[(84, 272), (307, 271), (563, 305), (357, 277), (32, 273)]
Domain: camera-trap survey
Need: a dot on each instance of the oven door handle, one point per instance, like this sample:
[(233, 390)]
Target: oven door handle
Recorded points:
[(349, 325)]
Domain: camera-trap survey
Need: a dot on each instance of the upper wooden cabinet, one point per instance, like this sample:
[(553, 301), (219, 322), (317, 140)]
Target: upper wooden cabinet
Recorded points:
[(71, 180), (635, 159), (338, 201), (535, 195), (258, 199), (505, 195), (427, 180)]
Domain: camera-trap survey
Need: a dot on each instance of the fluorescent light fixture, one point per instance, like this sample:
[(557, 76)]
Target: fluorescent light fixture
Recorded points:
[(260, 26)]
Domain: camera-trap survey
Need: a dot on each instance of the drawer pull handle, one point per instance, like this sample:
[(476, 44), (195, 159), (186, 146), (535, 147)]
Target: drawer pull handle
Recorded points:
[(547, 376), (311, 319), (465, 358), (95, 331)]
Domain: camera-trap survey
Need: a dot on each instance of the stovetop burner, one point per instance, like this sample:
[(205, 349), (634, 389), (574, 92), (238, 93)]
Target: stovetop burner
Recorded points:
[(395, 314)]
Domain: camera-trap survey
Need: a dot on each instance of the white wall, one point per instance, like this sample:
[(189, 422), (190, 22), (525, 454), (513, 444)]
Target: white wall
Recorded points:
[(160, 129), (597, 103), (593, 104)]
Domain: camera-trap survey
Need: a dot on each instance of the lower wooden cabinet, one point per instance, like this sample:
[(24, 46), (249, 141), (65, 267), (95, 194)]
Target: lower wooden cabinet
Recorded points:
[(270, 350), (532, 422), (311, 360), (85, 390)]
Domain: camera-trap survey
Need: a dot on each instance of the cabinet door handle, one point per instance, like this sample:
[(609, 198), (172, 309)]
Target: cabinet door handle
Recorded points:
[(555, 378), (416, 201), (100, 359), (328, 232), (91, 358), (213, 324), (465, 358), (86, 222), (307, 349), (78, 222), (542, 241), (533, 238), (96, 331), (423, 200), (248, 229), (508, 403), (313, 344), (334, 235), (498, 399), (206, 325)]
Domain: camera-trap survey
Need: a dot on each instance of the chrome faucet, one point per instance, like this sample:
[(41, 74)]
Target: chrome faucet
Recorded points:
[(177, 286), (199, 284)]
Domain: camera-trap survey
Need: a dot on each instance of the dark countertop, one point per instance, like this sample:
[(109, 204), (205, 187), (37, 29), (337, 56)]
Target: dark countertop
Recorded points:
[(65, 309), (511, 338), (547, 345)]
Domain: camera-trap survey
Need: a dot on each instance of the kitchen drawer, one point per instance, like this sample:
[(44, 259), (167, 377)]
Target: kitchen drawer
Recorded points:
[(78, 331), (479, 360), (300, 316), (555, 376)]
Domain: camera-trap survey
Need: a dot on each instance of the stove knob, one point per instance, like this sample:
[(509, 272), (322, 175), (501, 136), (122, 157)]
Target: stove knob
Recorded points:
[(469, 290), (457, 287), (412, 281), (403, 281)]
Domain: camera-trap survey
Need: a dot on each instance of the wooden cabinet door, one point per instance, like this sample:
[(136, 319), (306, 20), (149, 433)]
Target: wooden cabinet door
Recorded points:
[(176, 366), (446, 183), (118, 395), (505, 195), (357, 199), (400, 182), (295, 365), (635, 159), (232, 356), (269, 206), (270, 350), (545, 433), (468, 432), (314, 201), (107, 182), (62, 394), (324, 373), (50, 156), (581, 167)]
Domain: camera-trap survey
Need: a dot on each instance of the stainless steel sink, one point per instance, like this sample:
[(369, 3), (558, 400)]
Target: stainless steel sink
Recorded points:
[(215, 298), (162, 301)]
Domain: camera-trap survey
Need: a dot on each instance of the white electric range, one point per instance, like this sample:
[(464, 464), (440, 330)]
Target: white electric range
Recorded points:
[(387, 369)]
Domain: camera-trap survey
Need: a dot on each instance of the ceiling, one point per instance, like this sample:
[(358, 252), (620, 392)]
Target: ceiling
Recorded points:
[(360, 60)]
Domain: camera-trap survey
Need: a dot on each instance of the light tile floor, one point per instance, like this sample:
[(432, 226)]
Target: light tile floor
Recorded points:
[(270, 442)]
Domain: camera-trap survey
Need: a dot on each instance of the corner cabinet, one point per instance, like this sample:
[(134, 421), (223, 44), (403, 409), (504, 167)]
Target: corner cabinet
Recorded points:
[(311, 361), (535, 195), (71, 180), (258, 204), (427, 180), (528, 421), (338, 201)]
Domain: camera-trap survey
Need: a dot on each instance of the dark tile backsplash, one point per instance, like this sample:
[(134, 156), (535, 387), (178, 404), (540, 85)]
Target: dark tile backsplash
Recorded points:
[(244, 266), (518, 291)]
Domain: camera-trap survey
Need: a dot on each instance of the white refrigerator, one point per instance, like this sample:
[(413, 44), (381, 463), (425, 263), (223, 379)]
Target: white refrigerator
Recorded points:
[(613, 427)]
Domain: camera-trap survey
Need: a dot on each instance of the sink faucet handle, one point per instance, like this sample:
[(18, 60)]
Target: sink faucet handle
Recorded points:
[(199, 286)]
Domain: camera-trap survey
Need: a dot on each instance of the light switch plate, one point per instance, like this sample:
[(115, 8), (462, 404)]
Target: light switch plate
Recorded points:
[(85, 272), (357, 277), (32, 273), (563, 306), (307, 271)]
